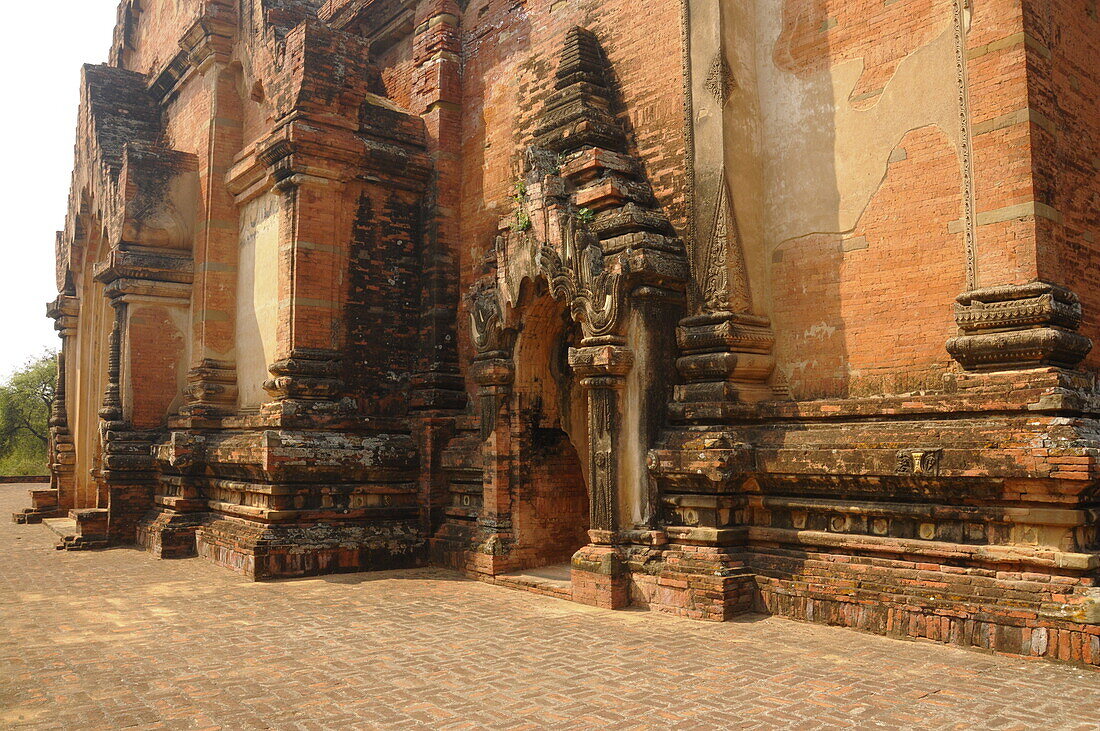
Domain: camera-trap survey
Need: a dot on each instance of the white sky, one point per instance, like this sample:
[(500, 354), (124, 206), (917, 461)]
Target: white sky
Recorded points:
[(40, 60)]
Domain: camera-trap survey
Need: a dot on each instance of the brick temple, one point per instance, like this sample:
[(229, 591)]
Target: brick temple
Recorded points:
[(706, 306)]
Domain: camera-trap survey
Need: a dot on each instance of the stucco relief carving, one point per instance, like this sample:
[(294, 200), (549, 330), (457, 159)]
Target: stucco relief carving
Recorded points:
[(724, 277), (918, 462), (486, 322), (961, 19), (578, 276), (720, 82)]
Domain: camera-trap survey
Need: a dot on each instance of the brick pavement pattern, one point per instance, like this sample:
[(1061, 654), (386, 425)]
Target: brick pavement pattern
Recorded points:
[(117, 639)]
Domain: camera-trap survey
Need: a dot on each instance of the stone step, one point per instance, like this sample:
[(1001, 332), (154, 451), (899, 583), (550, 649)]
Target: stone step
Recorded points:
[(553, 581), (64, 527), (43, 505), (83, 530)]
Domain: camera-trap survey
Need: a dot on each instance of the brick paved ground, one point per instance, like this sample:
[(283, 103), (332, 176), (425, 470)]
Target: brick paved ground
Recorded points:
[(116, 639)]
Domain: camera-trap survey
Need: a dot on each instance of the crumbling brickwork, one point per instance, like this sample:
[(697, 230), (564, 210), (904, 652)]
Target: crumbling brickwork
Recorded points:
[(781, 306)]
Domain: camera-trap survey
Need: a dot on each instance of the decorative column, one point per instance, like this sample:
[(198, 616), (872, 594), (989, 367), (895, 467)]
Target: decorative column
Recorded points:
[(58, 499), (494, 372), (600, 575), (61, 439), (65, 311)]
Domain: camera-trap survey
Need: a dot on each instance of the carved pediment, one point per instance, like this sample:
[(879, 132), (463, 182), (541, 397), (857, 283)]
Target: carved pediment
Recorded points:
[(586, 221)]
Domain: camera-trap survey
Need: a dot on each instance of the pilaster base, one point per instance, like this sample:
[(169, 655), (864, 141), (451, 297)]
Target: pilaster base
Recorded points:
[(83, 530), (472, 552), (1017, 327), (601, 577), (726, 364)]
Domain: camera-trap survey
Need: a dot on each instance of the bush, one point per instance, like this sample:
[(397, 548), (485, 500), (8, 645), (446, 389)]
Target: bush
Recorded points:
[(24, 417)]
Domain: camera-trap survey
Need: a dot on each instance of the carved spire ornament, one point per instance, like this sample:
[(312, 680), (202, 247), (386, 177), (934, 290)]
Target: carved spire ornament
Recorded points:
[(593, 292), (724, 283)]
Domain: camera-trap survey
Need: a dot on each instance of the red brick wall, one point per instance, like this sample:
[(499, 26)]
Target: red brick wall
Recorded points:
[(397, 67), (383, 306), (1064, 88), (869, 312), (156, 32), (187, 120), (154, 372)]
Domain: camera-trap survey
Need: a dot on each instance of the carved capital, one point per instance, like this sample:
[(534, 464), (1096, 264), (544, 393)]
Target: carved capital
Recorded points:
[(1018, 326), (65, 312), (601, 362)]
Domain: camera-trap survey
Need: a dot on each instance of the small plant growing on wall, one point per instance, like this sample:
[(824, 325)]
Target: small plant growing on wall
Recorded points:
[(522, 223), (585, 217), (523, 219)]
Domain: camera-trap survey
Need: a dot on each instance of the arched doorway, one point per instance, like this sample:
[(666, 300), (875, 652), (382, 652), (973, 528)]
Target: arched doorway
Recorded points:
[(550, 497)]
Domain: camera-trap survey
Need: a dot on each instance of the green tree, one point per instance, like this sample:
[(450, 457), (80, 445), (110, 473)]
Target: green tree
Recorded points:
[(24, 416)]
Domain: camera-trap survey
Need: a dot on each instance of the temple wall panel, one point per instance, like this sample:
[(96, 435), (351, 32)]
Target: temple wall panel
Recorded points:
[(257, 303), (868, 311), (154, 379), (858, 107)]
